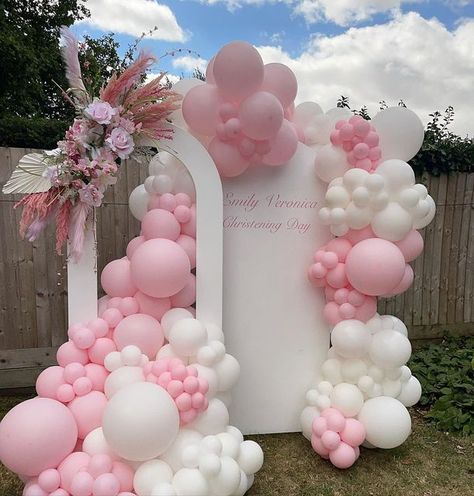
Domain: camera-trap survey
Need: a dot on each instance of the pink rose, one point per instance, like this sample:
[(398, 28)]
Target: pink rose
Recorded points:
[(91, 195), (120, 142), (100, 112)]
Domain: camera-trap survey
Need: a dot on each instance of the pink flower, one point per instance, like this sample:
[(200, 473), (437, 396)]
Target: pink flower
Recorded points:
[(120, 142), (100, 112), (91, 195), (127, 124)]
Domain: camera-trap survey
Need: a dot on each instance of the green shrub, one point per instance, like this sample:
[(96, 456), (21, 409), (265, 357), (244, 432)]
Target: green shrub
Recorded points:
[(36, 132), (446, 373)]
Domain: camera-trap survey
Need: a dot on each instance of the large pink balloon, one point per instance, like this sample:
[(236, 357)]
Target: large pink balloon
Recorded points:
[(201, 108), (116, 278), (140, 330), (88, 411), (227, 157), (160, 268), (36, 435), (283, 145), (375, 266), (156, 307), (411, 245), (238, 70), (261, 115), (280, 81)]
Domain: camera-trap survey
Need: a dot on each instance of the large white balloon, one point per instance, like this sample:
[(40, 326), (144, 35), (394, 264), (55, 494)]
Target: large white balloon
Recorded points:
[(330, 162), (400, 132), (250, 457), (389, 349), (140, 421), (386, 421), (347, 398), (351, 338)]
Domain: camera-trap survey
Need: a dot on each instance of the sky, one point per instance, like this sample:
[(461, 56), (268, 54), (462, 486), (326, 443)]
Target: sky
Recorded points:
[(420, 51)]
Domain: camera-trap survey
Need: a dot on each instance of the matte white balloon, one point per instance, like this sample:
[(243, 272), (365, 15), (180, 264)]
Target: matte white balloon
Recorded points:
[(190, 482), (149, 475), (330, 162), (214, 420), (185, 438), (138, 202), (187, 336), (250, 457), (347, 398), (228, 371), (351, 338), (389, 349), (122, 377), (171, 317), (411, 392), (227, 480), (308, 414), (96, 444)]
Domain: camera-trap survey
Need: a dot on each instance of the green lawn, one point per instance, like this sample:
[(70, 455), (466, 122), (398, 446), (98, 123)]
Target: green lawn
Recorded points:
[(430, 463)]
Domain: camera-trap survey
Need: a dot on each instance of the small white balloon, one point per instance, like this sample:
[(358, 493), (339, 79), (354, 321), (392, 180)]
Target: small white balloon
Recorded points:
[(347, 398), (138, 202), (162, 184), (307, 417), (187, 336), (151, 474), (120, 378), (214, 333), (389, 349), (397, 175), (250, 457), (410, 392), (230, 446), (305, 113), (214, 420), (331, 370), (186, 438), (351, 338), (171, 317), (227, 480), (392, 223), (228, 371), (233, 431), (131, 355), (190, 482), (96, 444), (164, 489)]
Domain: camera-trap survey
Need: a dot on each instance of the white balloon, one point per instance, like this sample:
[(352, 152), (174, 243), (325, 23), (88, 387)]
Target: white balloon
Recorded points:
[(230, 445), (233, 431), (243, 486), (164, 489), (330, 162), (386, 421), (331, 370), (228, 371), (400, 131), (140, 421), (308, 414), (397, 175), (167, 351), (225, 397), (351, 338), (212, 421), (250, 457), (411, 392), (95, 444), (353, 369), (138, 202), (120, 378), (187, 336), (210, 375), (305, 113), (391, 387), (190, 482), (420, 223), (214, 333), (185, 438), (392, 223), (149, 475), (389, 349), (228, 479), (347, 398), (171, 317)]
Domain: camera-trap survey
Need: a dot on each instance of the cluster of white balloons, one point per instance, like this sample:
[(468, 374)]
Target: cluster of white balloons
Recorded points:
[(390, 201)]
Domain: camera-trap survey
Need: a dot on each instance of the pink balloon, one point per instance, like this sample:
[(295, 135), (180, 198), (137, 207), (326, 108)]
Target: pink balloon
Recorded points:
[(319, 447), (112, 316), (124, 474), (160, 268), (81, 484), (357, 235), (49, 480), (337, 277), (48, 382), (69, 353), (210, 72), (367, 310), (102, 305), (106, 485), (99, 326), (238, 70), (283, 145), (261, 115), (116, 279), (71, 465), (353, 433), (156, 307), (375, 266), (88, 411), (280, 81), (330, 440), (340, 246), (101, 348), (160, 223), (133, 244), (201, 109), (344, 456), (36, 435), (188, 244), (187, 296), (331, 313), (129, 306), (405, 283), (140, 330), (411, 245), (227, 157), (189, 228), (97, 375)]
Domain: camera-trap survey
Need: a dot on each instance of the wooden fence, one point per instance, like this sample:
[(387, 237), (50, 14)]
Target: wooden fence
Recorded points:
[(33, 294)]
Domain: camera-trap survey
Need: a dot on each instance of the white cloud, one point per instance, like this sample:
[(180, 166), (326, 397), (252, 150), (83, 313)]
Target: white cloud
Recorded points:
[(173, 78), (134, 17), (189, 63), (409, 58)]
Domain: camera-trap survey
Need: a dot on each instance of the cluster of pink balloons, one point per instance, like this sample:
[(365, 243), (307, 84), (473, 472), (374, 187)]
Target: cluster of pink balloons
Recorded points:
[(356, 268), (337, 438), (359, 139), (182, 383), (244, 107)]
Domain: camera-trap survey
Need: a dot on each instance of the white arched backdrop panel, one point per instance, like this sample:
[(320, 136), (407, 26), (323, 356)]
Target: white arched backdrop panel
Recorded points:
[(82, 276)]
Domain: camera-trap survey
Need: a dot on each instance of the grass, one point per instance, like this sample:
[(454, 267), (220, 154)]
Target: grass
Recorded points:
[(430, 463)]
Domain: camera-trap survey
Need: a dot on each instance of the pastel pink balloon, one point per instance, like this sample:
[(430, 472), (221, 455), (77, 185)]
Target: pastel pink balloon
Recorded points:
[(106, 485), (112, 316), (331, 313), (280, 80), (129, 306), (319, 447), (227, 157), (283, 145), (411, 245), (70, 466), (330, 440), (187, 296), (238, 70), (336, 421), (99, 327), (367, 310), (357, 235), (82, 484), (102, 304), (340, 246), (319, 426), (116, 279), (160, 268), (99, 464), (36, 435), (88, 411), (156, 307), (337, 277), (160, 223), (48, 382), (188, 244), (353, 433), (189, 228), (101, 348), (49, 480), (201, 108), (133, 244), (210, 72), (261, 115), (140, 330), (375, 266), (69, 353), (97, 375), (124, 474), (405, 283), (74, 371), (33, 489), (344, 456)]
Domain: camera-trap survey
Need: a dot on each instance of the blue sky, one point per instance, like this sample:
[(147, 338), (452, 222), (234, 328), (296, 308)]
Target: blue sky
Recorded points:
[(314, 37)]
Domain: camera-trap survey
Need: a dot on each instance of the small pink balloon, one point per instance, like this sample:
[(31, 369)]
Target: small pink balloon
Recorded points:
[(49, 381), (201, 108), (283, 145), (70, 466), (106, 485), (82, 386), (227, 157), (133, 244), (411, 245), (405, 283), (97, 375), (189, 228), (34, 489), (354, 236), (73, 371), (36, 435), (129, 306), (182, 214), (375, 266), (280, 81), (367, 310), (88, 411), (81, 484), (160, 268), (319, 426), (65, 393), (187, 296), (353, 433), (319, 447), (331, 313), (153, 203), (59, 492), (337, 277), (116, 279), (99, 464), (99, 327), (168, 203), (124, 474), (142, 331), (330, 440), (344, 456), (160, 223), (156, 307), (49, 480), (188, 244), (84, 338), (183, 199), (336, 421), (261, 116), (101, 348), (112, 316), (102, 304), (69, 353), (238, 70)]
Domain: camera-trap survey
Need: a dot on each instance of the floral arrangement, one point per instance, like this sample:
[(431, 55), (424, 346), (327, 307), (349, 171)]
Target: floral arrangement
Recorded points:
[(67, 183)]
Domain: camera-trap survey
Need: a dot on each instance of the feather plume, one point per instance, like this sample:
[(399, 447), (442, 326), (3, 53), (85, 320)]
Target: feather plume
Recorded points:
[(119, 85), (77, 226), (70, 54), (62, 223)]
